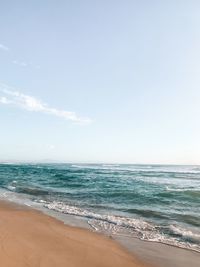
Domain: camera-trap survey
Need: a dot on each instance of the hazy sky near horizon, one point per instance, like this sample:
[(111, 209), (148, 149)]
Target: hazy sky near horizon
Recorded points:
[(100, 81)]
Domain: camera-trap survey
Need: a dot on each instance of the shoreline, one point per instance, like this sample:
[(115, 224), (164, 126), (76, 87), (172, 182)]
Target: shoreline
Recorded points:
[(155, 253), (145, 253), (30, 238)]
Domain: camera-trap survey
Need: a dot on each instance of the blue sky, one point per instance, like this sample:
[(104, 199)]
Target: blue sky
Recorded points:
[(100, 81)]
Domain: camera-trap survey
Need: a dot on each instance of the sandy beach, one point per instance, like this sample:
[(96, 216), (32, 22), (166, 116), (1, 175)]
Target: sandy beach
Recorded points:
[(30, 238)]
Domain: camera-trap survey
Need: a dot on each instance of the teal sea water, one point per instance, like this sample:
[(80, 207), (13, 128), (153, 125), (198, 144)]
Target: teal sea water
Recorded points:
[(152, 202)]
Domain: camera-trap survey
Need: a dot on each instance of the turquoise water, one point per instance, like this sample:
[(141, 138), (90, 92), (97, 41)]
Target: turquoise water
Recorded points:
[(152, 202)]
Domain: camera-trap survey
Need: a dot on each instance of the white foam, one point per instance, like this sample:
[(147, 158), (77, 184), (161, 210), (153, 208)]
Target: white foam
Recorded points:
[(117, 225), (117, 220), (12, 188), (21, 199), (185, 233), (182, 189)]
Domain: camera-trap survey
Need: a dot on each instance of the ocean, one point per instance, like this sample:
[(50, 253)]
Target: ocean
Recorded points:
[(157, 203)]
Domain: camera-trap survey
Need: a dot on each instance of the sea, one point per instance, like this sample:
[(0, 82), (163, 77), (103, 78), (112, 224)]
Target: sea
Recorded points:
[(155, 203)]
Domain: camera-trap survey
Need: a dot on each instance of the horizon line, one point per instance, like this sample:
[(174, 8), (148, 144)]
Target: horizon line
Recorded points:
[(90, 163)]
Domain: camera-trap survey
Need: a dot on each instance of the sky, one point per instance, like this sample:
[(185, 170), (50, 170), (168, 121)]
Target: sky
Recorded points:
[(100, 81)]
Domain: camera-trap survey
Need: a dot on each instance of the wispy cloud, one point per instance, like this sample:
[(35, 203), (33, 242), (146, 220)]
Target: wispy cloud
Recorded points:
[(21, 64), (11, 96), (25, 64), (3, 47)]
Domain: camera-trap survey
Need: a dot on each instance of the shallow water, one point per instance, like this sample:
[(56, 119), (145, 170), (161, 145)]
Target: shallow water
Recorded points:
[(152, 202)]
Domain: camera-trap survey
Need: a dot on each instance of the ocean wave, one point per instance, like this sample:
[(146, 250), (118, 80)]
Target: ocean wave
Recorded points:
[(149, 213), (11, 187), (118, 225), (117, 220), (110, 165), (186, 234), (182, 192), (32, 191)]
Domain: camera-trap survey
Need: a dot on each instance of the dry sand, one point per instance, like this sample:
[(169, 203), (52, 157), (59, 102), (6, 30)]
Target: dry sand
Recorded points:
[(30, 238)]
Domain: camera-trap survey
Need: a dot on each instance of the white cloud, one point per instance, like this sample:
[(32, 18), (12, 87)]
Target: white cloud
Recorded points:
[(30, 103), (3, 47), (4, 100)]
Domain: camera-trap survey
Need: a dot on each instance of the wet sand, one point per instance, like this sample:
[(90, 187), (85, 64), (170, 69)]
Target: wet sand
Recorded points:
[(160, 255)]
